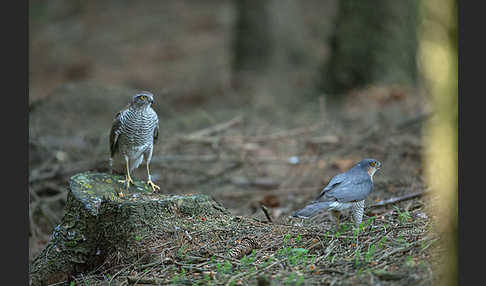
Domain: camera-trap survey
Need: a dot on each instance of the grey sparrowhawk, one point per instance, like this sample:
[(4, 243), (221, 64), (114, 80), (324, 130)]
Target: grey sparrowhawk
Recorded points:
[(345, 190), (133, 133)]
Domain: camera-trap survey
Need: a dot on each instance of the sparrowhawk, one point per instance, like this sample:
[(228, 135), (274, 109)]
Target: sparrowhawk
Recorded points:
[(133, 133), (344, 191)]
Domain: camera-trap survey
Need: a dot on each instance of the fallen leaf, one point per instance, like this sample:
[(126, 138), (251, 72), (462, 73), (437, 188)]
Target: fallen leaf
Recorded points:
[(270, 200)]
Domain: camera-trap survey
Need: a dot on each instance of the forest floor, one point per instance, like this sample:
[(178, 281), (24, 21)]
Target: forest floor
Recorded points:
[(262, 165)]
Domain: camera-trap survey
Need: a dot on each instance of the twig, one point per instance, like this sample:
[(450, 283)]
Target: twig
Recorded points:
[(328, 251), (134, 279), (52, 170), (142, 267), (397, 199), (265, 211), (402, 249), (409, 122), (288, 133), (221, 174), (189, 266), (330, 270), (213, 129), (264, 183), (259, 271)]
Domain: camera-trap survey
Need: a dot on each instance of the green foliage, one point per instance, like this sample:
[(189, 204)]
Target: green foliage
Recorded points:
[(300, 280), (403, 216), (337, 234), (227, 267), (381, 242), (178, 276), (344, 227), (207, 278), (286, 238), (402, 241), (368, 222), (370, 253), (357, 256), (290, 278), (409, 261), (297, 256), (181, 252), (298, 238), (246, 261), (331, 258)]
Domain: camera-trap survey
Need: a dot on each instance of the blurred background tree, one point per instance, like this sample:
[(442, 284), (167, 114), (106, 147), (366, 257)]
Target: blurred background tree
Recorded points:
[(373, 42), (438, 62)]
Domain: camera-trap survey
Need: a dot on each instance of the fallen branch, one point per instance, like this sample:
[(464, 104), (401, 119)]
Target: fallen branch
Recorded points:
[(403, 249), (213, 129), (264, 183), (397, 199), (288, 133), (412, 121)]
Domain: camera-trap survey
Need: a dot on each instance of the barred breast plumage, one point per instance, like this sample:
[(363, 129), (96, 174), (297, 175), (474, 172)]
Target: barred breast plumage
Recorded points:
[(137, 129)]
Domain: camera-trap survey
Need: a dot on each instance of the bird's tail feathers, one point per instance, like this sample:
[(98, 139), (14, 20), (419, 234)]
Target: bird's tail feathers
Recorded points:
[(311, 209)]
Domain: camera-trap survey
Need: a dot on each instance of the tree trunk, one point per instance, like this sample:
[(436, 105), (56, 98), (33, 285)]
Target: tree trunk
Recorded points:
[(374, 42), (278, 48), (97, 224), (439, 62)]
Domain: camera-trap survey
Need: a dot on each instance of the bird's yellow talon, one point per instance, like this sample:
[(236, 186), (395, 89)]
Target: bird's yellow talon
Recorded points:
[(127, 182), (153, 186)]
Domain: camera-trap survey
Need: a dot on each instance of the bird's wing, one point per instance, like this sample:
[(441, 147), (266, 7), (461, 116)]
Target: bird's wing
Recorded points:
[(335, 181), (352, 189), (114, 133)]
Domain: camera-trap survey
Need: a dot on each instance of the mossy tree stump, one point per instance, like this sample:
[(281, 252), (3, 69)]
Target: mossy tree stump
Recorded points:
[(97, 223)]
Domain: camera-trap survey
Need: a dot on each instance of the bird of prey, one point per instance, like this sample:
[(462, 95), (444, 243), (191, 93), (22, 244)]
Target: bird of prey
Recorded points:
[(133, 133), (344, 191)]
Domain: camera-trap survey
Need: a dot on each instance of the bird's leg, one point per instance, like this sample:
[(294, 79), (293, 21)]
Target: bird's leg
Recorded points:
[(358, 210), (302, 221), (357, 234), (128, 178), (149, 179)]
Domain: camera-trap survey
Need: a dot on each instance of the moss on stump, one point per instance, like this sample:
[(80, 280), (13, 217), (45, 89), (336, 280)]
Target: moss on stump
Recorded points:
[(98, 224)]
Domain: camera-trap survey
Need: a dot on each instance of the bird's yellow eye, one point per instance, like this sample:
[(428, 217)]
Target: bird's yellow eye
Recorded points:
[(143, 97), (372, 164)]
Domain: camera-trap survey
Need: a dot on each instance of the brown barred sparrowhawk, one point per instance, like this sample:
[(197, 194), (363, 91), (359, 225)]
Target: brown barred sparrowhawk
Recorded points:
[(345, 190), (133, 133)]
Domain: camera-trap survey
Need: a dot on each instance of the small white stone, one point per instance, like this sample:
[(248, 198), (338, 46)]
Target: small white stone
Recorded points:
[(294, 160)]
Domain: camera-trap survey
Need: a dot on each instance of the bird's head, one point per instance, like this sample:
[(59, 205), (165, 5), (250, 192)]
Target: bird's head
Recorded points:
[(370, 165), (142, 99)]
